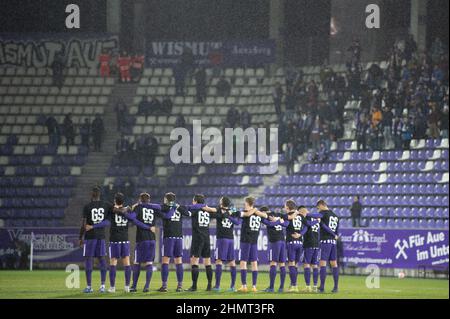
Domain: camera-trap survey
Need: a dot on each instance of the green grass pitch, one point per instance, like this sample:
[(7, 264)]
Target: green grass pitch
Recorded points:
[(51, 284)]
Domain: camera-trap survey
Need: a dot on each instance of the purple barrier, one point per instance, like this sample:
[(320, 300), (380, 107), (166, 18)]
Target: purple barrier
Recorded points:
[(50, 244), (395, 248)]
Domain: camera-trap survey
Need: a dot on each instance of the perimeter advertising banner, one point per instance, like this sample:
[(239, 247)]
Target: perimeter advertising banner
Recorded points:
[(50, 244), (39, 50), (207, 53), (396, 248), (361, 247)]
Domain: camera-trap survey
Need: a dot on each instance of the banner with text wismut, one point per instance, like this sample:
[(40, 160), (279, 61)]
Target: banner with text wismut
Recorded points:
[(230, 53)]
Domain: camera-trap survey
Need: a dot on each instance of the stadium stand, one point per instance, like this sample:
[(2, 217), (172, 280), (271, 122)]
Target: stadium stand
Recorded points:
[(37, 178)]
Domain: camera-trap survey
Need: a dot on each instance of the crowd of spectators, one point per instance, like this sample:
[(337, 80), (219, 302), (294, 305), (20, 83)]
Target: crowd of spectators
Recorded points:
[(127, 67), (91, 134), (139, 153), (404, 100), (407, 100)]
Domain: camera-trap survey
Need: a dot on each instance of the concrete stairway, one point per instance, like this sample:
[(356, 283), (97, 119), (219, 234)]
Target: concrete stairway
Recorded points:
[(94, 172)]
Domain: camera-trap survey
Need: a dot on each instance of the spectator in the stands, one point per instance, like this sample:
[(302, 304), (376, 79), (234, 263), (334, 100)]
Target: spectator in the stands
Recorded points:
[(151, 149), (98, 129), (141, 147), (179, 74), (128, 188), (121, 113), (312, 92), (277, 95), (355, 52), (362, 128), (246, 119), (155, 106), (319, 156), (137, 67), (85, 133), (144, 107), (223, 87), (58, 66), (53, 130), (166, 105), (444, 122), (376, 137), (434, 116), (187, 61), (290, 102), (69, 130), (407, 132), (291, 75), (397, 128), (109, 191), (315, 135), (290, 156), (386, 125), (410, 48), (200, 85), (122, 148), (180, 121), (233, 117), (356, 210)]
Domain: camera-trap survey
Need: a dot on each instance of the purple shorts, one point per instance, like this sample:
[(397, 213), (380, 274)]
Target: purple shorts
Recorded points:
[(277, 252), (119, 250), (144, 251), (312, 256), (225, 249), (248, 252), (294, 251), (173, 247), (94, 248), (328, 251)]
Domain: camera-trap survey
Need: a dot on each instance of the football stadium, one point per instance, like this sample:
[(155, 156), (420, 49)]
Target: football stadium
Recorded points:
[(260, 149)]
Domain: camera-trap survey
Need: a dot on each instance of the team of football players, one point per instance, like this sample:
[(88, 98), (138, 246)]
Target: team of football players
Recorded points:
[(295, 236)]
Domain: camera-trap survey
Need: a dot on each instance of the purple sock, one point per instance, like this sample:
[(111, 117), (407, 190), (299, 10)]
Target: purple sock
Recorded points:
[(88, 270), (103, 268), (244, 277), (282, 276), (323, 276), (233, 272), (127, 275), (164, 274), (218, 275), (272, 275), (293, 272), (254, 277), (136, 273), (336, 277), (148, 275), (315, 276), (307, 275), (112, 276), (179, 274)]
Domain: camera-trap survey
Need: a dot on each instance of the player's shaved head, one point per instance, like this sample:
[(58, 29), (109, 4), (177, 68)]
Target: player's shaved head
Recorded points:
[(144, 197), (225, 201), (96, 192), (264, 209), (250, 201), (321, 202), (119, 199), (170, 197), (199, 198), (290, 205)]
